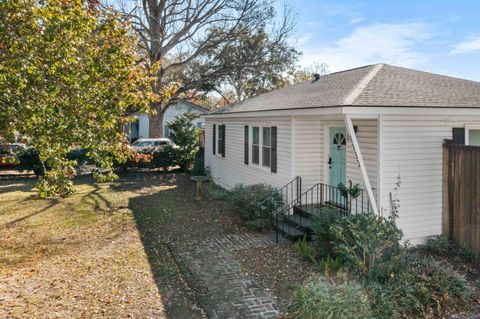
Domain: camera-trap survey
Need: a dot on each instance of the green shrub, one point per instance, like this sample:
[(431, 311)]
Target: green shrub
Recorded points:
[(330, 265), (163, 157), (249, 203), (364, 241), (305, 250), (158, 157), (318, 299), (185, 135), (381, 301), (468, 254), (217, 192), (321, 228), (199, 164), (419, 287), (439, 245), (29, 160)]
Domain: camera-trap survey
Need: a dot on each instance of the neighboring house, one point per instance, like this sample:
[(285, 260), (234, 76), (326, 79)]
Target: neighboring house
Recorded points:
[(141, 127), (368, 125)]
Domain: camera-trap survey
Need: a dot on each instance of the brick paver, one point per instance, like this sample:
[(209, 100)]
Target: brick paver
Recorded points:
[(223, 288)]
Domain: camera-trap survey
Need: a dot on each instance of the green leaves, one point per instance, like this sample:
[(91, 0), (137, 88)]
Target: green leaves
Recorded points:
[(69, 75), (185, 135)]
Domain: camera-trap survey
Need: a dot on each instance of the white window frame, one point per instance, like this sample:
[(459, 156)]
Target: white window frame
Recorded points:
[(468, 127), (217, 140), (260, 146)]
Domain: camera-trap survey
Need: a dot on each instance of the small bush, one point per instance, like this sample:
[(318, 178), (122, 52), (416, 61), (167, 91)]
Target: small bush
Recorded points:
[(249, 203), (217, 192), (185, 135), (364, 241), (321, 228), (469, 254), (330, 265), (157, 157), (318, 299), (419, 286), (305, 250), (439, 245), (199, 164)]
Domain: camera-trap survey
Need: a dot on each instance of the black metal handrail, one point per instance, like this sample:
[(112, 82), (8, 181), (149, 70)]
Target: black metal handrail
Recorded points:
[(284, 195), (321, 195)]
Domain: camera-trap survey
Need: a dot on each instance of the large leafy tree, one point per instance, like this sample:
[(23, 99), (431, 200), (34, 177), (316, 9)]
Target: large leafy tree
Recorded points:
[(188, 37), (68, 73), (274, 58)]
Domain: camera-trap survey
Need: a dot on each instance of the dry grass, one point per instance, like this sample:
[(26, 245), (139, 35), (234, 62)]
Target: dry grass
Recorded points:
[(100, 253)]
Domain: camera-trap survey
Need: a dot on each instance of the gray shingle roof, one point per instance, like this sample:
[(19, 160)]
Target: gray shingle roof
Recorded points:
[(371, 85)]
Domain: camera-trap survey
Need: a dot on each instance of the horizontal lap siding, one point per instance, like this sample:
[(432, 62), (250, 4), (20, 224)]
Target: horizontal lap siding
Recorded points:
[(412, 148), (309, 154), (231, 170), (367, 137)]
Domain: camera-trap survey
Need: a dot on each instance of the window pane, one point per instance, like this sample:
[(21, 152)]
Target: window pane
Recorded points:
[(256, 135), (255, 154), (474, 137), (266, 136), (266, 156)]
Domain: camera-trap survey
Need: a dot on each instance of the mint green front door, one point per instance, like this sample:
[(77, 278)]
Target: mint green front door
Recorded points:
[(338, 156)]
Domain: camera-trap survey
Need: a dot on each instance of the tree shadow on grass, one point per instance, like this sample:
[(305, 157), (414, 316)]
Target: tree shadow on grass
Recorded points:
[(156, 222), (52, 202), (23, 185)]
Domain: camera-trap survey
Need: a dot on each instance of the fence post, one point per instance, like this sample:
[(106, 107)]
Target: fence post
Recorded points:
[(446, 186)]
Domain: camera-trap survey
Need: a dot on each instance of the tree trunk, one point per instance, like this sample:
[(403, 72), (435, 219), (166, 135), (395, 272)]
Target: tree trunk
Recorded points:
[(156, 121)]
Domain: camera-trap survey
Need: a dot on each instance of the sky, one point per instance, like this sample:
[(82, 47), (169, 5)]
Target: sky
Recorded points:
[(435, 36)]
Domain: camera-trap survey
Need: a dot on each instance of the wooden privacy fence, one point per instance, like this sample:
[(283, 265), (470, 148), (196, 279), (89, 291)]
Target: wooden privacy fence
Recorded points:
[(461, 194)]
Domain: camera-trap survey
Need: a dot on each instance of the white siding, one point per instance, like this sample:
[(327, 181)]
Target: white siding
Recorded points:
[(412, 148), (367, 137), (174, 110), (143, 125), (312, 151), (231, 170), (309, 152)]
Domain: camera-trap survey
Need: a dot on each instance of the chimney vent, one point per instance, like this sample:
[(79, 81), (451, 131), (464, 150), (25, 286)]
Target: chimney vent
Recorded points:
[(316, 77)]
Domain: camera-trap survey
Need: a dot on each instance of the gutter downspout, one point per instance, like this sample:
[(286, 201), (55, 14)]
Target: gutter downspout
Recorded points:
[(361, 163)]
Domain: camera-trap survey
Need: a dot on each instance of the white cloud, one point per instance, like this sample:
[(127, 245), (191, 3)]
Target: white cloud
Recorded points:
[(389, 43), (355, 20), (467, 46)]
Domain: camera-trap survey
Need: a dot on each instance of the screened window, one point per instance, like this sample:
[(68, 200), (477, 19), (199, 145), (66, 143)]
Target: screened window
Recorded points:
[(474, 137), (256, 145), (266, 146), (220, 139)]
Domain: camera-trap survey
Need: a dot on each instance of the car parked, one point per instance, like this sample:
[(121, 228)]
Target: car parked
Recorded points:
[(7, 153), (144, 143)]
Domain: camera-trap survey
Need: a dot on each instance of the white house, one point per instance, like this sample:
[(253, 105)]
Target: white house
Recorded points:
[(371, 125), (141, 127)]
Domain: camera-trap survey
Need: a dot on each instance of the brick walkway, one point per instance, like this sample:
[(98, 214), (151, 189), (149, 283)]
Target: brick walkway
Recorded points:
[(223, 288)]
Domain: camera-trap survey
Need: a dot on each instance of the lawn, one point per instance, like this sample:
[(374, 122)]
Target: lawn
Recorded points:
[(104, 251)]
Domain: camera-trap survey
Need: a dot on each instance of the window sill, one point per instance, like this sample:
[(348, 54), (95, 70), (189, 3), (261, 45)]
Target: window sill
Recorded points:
[(259, 168)]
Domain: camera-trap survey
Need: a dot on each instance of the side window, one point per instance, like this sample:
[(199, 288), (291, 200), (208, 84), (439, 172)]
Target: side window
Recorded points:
[(256, 145), (474, 137), (220, 139), (160, 143)]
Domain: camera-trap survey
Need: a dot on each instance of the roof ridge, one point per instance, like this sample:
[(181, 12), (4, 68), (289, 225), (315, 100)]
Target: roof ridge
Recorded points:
[(361, 85)]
